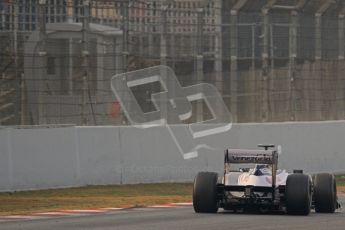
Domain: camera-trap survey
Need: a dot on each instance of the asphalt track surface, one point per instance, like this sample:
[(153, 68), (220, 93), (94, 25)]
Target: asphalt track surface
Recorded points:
[(184, 218)]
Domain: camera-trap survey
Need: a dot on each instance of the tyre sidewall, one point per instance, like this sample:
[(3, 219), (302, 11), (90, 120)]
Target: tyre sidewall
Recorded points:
[(205, 192)]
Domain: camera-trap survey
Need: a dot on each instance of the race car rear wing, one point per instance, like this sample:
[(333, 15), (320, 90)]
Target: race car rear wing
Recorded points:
[(249, 156), (243, 156)]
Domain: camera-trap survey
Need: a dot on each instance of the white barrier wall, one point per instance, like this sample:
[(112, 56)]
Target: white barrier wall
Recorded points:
[(74, 156)]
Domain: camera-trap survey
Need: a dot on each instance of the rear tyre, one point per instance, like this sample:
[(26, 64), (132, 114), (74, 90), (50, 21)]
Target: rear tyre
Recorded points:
[(205, 192), (298, 194), (325, 193)]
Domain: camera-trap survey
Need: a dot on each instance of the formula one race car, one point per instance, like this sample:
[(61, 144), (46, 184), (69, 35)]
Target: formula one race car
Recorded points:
[(264, 187)]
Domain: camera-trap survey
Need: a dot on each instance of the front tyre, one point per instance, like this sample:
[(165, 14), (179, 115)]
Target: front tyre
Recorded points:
[(325, 193), (298, 194), (205, 192)]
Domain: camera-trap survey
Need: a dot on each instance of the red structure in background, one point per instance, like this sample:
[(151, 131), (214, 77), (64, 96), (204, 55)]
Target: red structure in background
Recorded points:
[(115, 109)]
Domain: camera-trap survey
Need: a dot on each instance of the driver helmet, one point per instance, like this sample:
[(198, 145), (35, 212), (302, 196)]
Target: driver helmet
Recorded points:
[(262, 169)]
